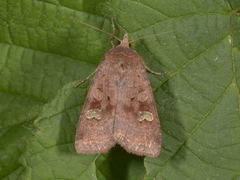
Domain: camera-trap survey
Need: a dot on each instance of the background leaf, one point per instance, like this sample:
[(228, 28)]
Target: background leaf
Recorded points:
[(44, 49)]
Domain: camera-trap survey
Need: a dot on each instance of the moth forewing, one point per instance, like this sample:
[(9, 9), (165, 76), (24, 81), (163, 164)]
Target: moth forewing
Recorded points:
[(136, 126), (94, 132), (120, 107)]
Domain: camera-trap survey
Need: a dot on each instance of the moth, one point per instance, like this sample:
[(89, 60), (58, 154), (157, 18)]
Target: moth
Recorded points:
[(119, 107)]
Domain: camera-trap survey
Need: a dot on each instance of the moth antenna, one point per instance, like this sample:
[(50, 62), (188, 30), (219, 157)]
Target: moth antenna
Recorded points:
[(95, 28), (113, 32), (152, 35)]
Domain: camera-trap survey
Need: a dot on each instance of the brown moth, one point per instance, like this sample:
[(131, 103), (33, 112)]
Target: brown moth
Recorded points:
[(119, 107)]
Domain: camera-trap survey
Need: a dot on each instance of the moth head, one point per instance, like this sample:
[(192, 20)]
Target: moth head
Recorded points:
[(124, 42)]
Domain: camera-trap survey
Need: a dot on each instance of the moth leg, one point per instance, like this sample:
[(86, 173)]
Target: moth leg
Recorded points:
[(79, 82), (151, 71)]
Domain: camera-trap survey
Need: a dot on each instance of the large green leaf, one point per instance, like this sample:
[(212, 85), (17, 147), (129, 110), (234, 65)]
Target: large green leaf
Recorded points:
[(44, 49)]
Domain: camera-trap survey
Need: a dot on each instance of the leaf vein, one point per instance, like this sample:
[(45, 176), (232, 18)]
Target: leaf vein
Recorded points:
[(207, 162), (191, 61), (204, 118)]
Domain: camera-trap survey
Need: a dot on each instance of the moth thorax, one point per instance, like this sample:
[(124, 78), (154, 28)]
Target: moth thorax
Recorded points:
[(94, 113), (145, 115)]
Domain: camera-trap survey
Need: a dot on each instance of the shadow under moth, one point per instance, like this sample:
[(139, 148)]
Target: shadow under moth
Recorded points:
[(119, 107)]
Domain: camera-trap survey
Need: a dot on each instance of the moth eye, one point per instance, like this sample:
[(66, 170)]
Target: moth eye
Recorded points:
[(145, 115), (132, 99), (142, 96), (108, 98), (94, 113)]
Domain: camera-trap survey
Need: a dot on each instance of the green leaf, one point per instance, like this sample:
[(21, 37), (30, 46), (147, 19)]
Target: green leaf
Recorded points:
[(44, 49)]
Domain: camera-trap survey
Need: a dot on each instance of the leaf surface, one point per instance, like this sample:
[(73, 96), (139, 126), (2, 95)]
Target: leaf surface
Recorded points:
[(44, 49)]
